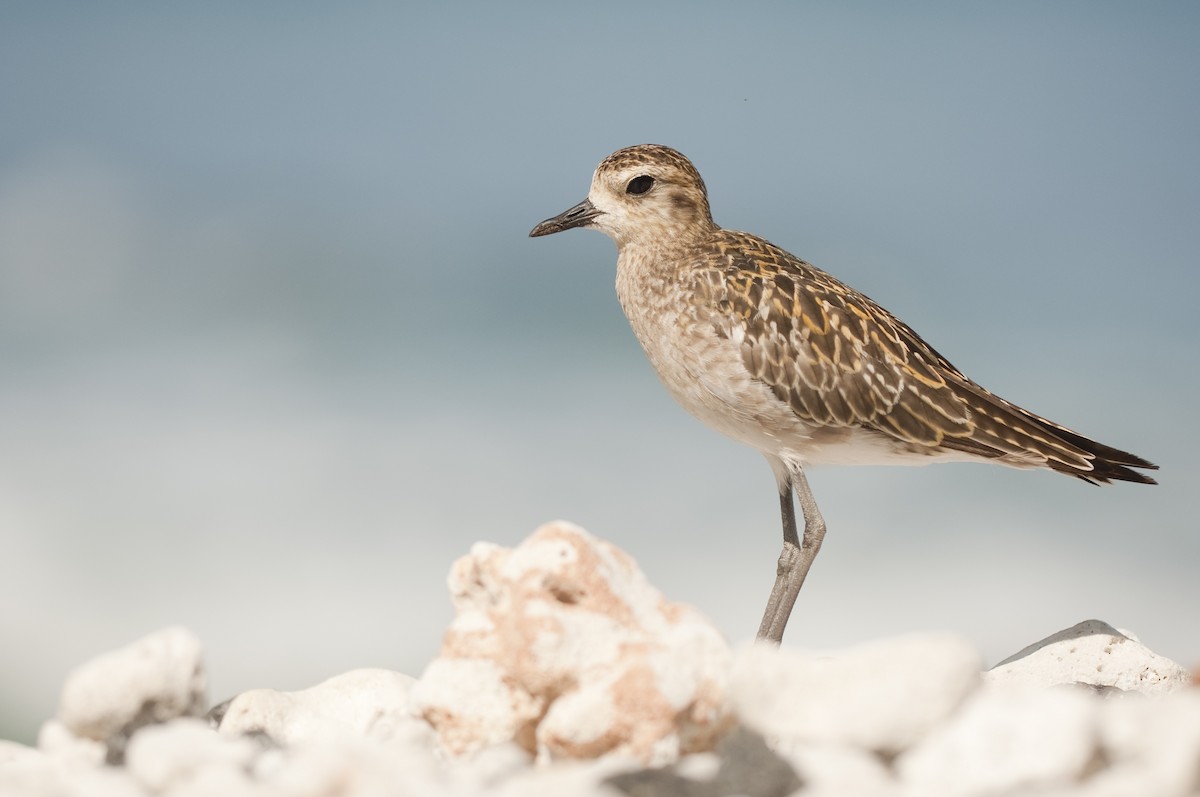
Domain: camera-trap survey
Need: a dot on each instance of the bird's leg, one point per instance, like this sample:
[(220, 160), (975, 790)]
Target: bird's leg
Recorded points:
[(797, 556), (787, 562)]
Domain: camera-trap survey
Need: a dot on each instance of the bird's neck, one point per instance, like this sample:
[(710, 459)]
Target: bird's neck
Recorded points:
[(648, 266), (667, 243)]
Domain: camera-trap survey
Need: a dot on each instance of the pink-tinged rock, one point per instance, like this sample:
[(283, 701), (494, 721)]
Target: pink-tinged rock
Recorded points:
[(1095, 654), (563, 646)]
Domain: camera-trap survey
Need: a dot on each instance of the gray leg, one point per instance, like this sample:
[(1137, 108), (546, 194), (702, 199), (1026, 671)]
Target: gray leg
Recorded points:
[(797, 556)]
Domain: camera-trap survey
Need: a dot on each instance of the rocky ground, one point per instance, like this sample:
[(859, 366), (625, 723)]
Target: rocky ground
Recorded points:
[(566, 673)]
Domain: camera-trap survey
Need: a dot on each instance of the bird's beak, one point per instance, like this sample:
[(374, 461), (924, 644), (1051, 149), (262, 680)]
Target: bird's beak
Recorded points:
[(579, 216)]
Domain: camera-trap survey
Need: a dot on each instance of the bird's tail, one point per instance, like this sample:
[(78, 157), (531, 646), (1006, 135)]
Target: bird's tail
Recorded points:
[(1108, 464), (1008, 433)]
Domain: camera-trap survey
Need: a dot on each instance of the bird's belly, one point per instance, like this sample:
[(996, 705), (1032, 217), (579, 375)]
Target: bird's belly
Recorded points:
[(703, 371)]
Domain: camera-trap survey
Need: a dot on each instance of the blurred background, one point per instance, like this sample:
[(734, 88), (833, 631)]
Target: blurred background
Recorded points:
[(275, 348)]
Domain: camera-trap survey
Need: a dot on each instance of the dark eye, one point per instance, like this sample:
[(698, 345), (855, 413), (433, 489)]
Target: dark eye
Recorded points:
[(640, 185)]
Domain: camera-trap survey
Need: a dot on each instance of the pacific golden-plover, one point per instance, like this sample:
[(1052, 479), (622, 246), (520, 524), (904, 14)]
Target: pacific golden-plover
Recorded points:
[(781, 356)]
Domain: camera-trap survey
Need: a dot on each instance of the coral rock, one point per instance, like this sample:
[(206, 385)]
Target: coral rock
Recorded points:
[(155, 679), (1092, 653), (1007, 740), (563, 646), (181, 752), (881, 696), (1152, 745), (366, 702)]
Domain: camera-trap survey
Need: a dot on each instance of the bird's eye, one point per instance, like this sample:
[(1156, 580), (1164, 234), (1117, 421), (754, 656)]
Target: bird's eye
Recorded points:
[(640, 185)]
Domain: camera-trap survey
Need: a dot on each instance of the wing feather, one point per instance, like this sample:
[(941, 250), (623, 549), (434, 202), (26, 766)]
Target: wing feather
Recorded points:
[(831, 353), (839, 359)]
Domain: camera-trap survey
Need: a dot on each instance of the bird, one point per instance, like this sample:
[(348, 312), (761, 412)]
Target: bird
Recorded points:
[(781, 356)]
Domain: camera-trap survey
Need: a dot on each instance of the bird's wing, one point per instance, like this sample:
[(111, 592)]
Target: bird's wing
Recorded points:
[(833, 355), (839, 359)]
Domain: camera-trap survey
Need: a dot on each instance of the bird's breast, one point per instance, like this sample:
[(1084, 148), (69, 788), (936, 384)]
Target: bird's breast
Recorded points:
[(698, 357)]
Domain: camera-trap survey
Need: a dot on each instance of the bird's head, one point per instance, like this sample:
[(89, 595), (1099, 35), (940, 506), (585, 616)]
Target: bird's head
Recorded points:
[(643, 194)]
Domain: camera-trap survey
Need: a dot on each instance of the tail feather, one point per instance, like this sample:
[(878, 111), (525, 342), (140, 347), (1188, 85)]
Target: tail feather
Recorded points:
[(1007, 432), (1108, 464)]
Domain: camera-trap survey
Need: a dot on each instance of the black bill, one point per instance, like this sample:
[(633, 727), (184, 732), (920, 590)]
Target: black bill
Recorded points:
[(579, 216)]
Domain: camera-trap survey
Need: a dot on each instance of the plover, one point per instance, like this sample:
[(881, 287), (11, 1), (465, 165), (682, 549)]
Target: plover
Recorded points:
[(781, 356)]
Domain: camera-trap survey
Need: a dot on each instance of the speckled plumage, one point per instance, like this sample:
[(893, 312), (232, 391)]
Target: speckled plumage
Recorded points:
[(846, 367), (782, 356)]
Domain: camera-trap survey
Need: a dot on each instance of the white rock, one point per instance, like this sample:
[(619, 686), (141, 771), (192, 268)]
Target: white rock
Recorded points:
[(837, 769), (488, 769), (54, 739), (11, 752), (562, 646), (27, 771), (167, 756), (881, 696), (155, 679), (570, 778), (42, 775), (353, 767), (366, 702), (699, 766), (221, 782), (1152, 746), (1006, 741), (101, 782), (1095, 653), (62, 764)]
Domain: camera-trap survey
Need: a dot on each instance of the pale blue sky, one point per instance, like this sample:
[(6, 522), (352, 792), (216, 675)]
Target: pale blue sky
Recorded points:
[(274, 346)]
